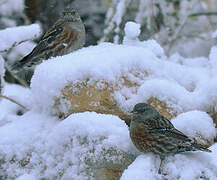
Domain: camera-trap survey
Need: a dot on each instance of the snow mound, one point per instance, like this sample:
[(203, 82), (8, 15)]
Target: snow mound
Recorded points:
[(197, 165), (182, 87), (191, 165), (12, 36), (196, 124), (132, 30), (75, 148), (142, 168), (89, 145)]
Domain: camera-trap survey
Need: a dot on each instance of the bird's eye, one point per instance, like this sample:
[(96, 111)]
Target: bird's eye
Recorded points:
[(59, 29)]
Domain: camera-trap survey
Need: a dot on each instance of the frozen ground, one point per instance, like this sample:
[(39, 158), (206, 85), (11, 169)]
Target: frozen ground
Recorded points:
[(38, 145)]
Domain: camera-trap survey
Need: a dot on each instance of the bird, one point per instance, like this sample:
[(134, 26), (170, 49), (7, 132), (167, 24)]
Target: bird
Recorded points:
[(65, 36), (152, 132)]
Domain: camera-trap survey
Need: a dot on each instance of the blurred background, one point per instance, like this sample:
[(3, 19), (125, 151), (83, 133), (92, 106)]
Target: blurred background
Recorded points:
[(183, 27)]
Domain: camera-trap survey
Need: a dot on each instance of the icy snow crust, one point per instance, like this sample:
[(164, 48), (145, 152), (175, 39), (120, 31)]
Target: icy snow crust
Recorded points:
[(38, 145)]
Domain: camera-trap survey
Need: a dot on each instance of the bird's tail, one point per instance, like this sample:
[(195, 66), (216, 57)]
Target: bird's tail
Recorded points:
[(20, 64), (201, 148)]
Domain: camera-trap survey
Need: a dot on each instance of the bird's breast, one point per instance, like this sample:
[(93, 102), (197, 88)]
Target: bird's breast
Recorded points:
[(140, 137)]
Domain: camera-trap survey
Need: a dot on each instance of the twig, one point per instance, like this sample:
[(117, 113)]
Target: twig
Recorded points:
[(178, 31), (14, 45), (12, 100), (203, 14), (176, 34)]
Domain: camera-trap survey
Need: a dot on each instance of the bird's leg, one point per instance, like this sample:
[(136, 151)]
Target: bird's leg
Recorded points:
[(161, 163)]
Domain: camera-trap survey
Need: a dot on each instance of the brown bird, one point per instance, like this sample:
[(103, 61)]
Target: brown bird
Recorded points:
[(151, 132), (65, 36)]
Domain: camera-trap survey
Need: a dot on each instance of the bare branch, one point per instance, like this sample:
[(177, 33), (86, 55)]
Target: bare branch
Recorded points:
[(14, 45), (12, 100), (203, 14)]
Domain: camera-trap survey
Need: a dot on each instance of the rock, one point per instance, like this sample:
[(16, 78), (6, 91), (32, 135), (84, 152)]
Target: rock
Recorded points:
[(81, 97)]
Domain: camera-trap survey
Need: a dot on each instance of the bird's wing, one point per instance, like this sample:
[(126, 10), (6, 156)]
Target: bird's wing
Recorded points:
[(54, 30), (163, 125), (46, 40), (43, 44), (171, 132), (177, 141), (160, 122)]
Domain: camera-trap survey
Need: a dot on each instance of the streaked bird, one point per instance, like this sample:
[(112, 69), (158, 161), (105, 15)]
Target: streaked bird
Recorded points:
[(65, 36), (151, 132)]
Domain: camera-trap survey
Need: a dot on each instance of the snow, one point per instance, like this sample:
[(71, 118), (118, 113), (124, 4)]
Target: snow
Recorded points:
[(132, 30), (197, 165), (193, 123), (54, 146), (38, 145), (26, 177), (214, 34), (213, 58), (189, 165), (7, 7), (142, 168), (184, 87), (13, 36), (20, 51)]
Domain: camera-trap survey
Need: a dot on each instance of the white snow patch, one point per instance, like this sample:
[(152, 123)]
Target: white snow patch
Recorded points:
[(20, 51), (54, 147), (26, 177), (214, 34), (9, 109), (142, 168), (191, 165), (213, 59), (7, 7), (196, 124), (13, 36), (132, 30), (184, 87)]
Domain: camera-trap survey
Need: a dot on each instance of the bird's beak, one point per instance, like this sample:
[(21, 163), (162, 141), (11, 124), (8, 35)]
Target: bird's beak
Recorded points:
[(134, 112)]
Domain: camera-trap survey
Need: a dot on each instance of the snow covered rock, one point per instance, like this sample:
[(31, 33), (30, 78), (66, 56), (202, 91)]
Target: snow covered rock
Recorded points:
[(196, 125), (102, 78), (107, 79), (142, 168), (111, 79), (83, 146), (191, 165)]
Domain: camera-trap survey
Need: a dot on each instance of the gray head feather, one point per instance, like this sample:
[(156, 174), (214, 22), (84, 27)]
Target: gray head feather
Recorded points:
[(143, 112), (71, 14)]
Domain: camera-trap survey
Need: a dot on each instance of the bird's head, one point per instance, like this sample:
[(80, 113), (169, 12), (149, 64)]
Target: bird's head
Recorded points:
[(142, 107), (71, 14), (143, 111)]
